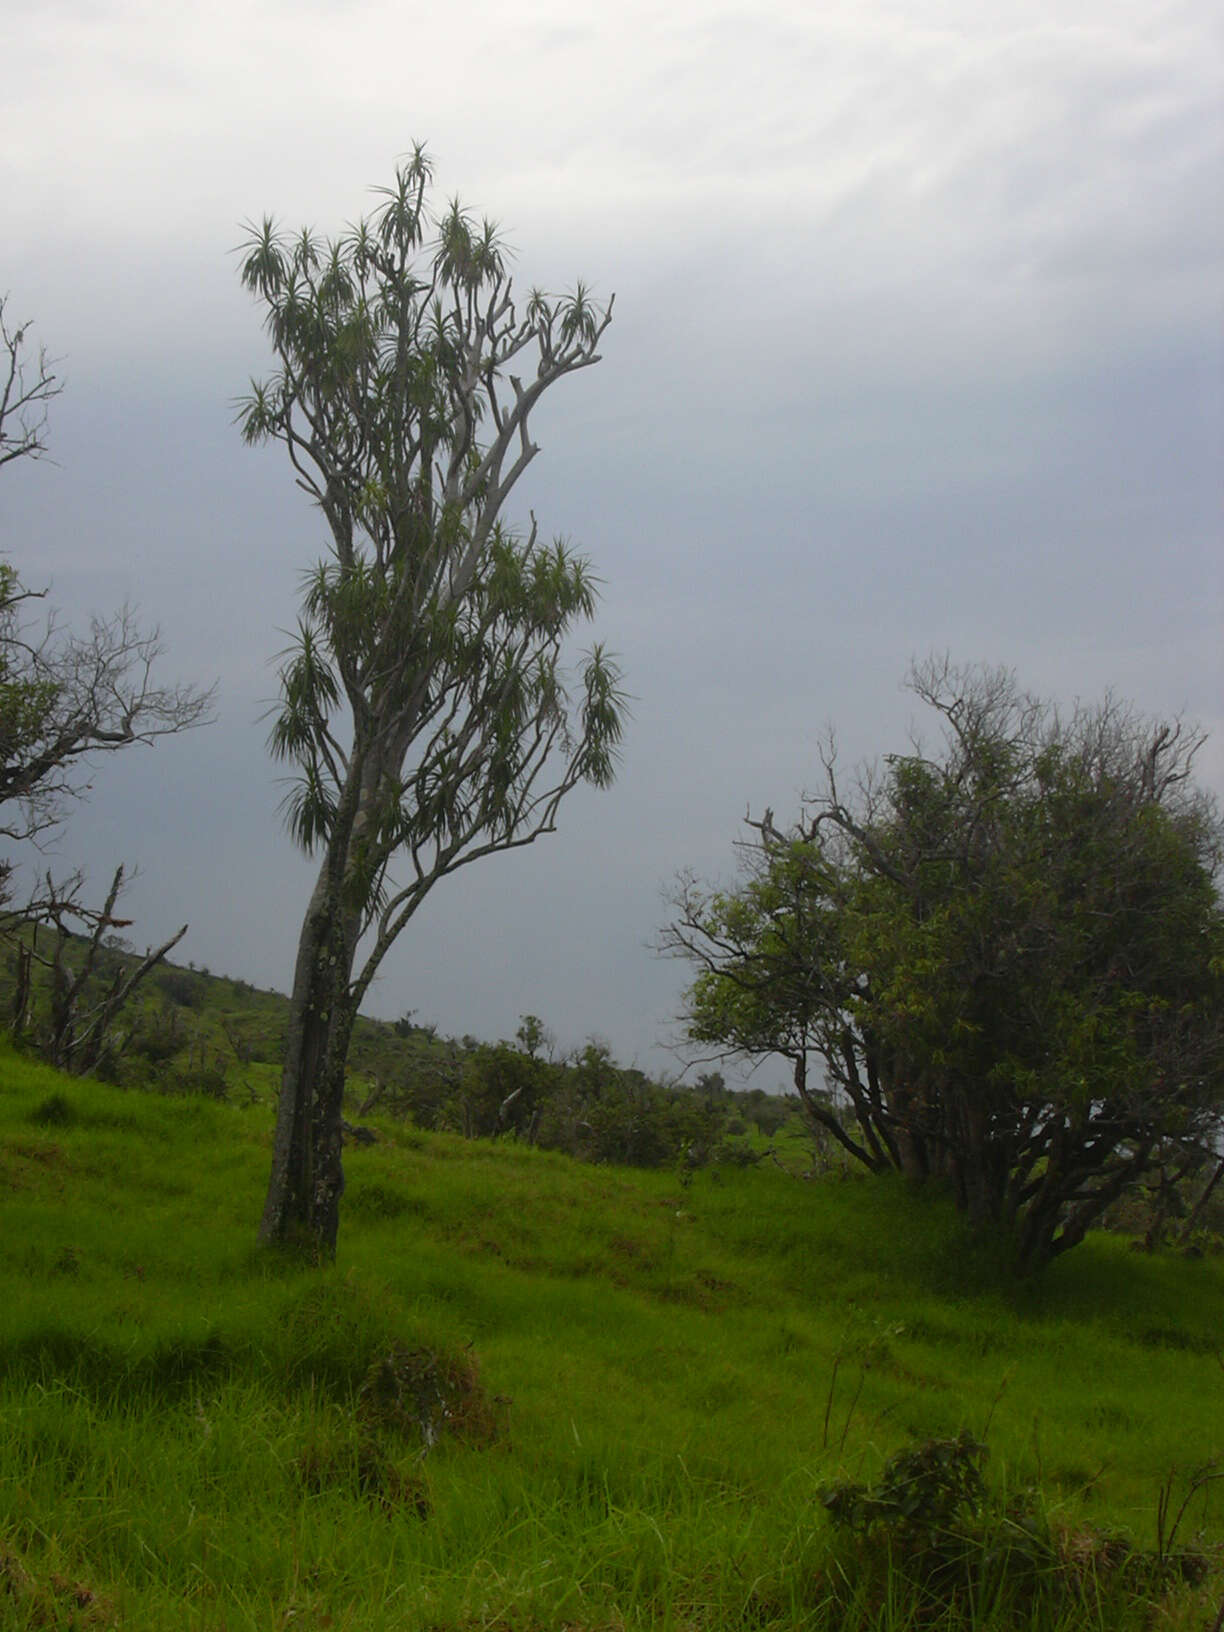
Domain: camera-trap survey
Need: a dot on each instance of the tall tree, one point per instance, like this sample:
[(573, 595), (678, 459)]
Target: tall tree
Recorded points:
[(1006, 955), (423, 700)]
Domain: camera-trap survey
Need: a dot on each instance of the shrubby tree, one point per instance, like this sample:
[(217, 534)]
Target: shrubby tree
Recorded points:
[(585, 1105), (533, 1036), (423, 705), (1005, 957), (501, 1092), (65, 699)]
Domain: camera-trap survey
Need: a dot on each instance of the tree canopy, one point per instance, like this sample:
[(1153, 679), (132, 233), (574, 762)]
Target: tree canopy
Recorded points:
[(1006, 955)]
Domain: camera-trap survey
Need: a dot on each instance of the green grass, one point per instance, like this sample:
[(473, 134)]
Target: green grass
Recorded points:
[(674, 1371)]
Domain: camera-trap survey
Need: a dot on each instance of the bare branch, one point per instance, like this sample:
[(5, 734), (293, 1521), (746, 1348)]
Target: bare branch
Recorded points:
[(27, 388), (64, 699), (80, 1027)]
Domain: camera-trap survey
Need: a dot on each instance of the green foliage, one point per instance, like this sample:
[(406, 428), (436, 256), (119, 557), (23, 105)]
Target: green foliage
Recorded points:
[(532, 1034), (428, 613), (424, 1394), (227, 1039), (28, 698), (587, 1106), (923, 1491), (161, 1034), (934, 1522), (64, 697), (1008, 958), (181, 986)]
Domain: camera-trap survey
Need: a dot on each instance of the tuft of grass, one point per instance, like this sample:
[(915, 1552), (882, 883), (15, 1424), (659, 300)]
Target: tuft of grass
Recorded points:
[(56, 1111)]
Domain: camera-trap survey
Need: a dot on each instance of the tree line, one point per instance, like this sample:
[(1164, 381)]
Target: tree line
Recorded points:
[(584, 1104)]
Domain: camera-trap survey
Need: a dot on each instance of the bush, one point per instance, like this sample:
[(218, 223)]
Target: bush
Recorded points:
[(182, 987), (933, 1521), (421, 1394), (161, 1037), (209, 1080)]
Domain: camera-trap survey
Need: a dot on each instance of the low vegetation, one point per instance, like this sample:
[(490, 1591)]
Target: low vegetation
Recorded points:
[(534, 1393), (187, 1031)]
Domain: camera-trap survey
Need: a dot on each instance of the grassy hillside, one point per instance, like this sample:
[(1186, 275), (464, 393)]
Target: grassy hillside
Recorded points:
[(184, 1025), (535, 1394), (184, 1030)]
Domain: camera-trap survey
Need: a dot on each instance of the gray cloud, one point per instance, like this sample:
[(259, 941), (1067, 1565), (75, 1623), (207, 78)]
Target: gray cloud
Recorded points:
[(917, 347)]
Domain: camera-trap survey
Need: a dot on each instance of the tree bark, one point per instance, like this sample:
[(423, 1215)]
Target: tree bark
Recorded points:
[(302, 1208)]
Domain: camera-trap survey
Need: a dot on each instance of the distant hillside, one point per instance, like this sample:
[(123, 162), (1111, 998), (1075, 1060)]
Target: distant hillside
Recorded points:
[(186, 1030)]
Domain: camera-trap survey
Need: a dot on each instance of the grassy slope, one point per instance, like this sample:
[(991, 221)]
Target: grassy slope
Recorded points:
[(212, 1023), (684, 1367)]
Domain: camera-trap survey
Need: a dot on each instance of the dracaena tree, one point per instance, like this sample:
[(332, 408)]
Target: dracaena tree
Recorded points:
[(425, 708)]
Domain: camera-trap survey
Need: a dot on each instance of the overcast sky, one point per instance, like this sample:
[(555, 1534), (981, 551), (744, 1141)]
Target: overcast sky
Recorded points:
[(917, 347)]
